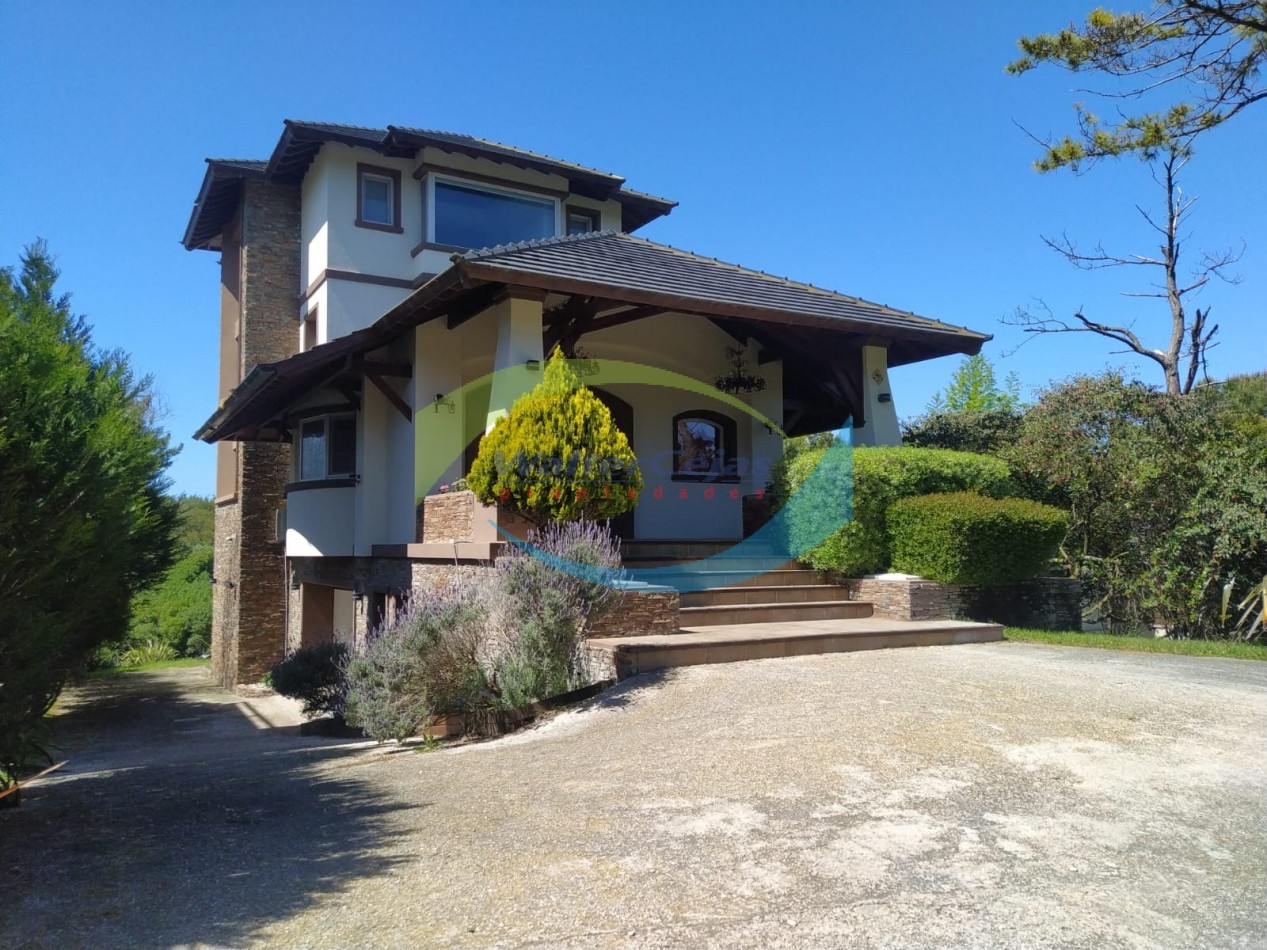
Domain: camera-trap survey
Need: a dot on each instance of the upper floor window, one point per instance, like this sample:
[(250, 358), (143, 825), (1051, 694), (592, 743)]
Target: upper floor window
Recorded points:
[(327, 447), (581, 221), (378, 198), (472, 216), (704, 446)]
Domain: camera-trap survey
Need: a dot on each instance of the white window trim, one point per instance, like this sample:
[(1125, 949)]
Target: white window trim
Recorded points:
[(429, 202)]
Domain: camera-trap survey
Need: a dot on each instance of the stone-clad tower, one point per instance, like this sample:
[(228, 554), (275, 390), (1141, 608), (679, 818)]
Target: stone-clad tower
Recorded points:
[(259, 289)]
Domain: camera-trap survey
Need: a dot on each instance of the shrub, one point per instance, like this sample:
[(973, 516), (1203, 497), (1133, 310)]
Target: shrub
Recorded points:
[(965, 538), (429, 662), (147, 652), (881, 476), (316, 675), (985, 431), (541, 608), (557, 456), (1167, 495)]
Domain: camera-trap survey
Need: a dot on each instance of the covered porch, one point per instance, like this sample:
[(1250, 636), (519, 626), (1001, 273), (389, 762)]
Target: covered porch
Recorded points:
[(653, 329)]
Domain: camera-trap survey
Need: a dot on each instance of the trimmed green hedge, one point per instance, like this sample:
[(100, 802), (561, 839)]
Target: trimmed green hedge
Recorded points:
[(966, 538), (880, 477)]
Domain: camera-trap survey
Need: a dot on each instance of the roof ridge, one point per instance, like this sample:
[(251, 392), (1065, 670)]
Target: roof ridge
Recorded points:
[(238, 161), (500, 250), (480, 140), (335, 125), (787, 280)]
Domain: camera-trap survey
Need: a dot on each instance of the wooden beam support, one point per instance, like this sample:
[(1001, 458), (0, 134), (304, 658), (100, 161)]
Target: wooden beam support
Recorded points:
[(391, 396), (474, 303)]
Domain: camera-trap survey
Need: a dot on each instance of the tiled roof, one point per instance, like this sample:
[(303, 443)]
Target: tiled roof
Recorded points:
[(300, 142), (687, 281)]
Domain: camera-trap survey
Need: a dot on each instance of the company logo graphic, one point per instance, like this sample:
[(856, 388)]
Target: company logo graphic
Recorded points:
[(820, 506)]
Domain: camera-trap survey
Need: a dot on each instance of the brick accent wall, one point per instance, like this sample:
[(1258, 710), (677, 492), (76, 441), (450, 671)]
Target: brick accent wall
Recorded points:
[(1052, 603), (249, 604)]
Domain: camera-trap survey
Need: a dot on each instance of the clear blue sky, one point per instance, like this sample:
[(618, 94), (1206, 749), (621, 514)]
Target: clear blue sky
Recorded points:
[(869, 148)]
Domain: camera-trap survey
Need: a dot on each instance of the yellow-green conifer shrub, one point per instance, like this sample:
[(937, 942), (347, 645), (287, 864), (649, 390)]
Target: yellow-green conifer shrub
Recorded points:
[(557, 456)]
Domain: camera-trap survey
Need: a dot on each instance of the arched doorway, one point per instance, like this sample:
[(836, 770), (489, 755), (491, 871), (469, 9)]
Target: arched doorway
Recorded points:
[(622, 415)]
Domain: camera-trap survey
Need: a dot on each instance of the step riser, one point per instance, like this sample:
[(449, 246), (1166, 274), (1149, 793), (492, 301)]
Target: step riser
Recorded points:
[(731, 579), (738, 564), (730, 596), (772, 613), (687, 550), (630, 661)]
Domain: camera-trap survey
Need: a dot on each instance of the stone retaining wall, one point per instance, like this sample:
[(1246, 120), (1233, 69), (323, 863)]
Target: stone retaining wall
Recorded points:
[(637, 613), (1051, 603)]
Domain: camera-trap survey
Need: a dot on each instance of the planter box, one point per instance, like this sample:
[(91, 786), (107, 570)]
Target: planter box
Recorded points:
[(458, 516)]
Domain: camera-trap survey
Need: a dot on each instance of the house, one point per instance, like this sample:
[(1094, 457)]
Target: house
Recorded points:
[(385, 294)]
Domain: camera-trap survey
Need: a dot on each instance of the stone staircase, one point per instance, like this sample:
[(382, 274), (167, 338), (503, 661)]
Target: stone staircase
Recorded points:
[(755, 604)]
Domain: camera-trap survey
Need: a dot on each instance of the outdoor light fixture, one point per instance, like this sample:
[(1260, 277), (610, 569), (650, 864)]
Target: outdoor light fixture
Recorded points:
[(446, 402), (583, 364), (533, 365), (739, 380)]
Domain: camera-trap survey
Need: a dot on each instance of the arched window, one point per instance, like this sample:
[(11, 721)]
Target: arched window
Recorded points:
[(704, 447)]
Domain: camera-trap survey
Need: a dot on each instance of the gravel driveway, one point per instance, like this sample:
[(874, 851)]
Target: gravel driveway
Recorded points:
[(993, 795)]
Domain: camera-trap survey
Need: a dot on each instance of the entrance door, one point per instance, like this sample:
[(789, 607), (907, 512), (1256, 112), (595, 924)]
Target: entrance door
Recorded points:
[(622, 415)]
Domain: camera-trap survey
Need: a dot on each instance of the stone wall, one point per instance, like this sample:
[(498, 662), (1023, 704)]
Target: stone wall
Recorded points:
[(1052, 603), (249, 606), (458, 516), (637, 613)]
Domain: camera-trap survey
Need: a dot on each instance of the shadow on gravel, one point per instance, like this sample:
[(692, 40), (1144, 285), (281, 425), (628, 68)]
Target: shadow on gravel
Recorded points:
[(180, 821)]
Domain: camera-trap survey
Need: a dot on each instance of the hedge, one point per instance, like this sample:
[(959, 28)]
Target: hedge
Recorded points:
[(967, 538), (880, 477)]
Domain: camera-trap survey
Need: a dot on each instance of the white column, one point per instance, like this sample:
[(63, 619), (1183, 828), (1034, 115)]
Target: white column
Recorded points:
[(518, 322), (877, 401), (438, 438)]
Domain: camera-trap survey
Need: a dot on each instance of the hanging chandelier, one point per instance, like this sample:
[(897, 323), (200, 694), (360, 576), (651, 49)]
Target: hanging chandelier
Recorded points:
[(738, 380)]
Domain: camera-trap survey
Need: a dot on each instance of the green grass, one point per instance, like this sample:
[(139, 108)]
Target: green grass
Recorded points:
[(160, 665), (1140, 644)]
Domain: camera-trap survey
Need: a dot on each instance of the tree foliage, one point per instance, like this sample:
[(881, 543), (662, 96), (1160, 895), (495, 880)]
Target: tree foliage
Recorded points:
[(983, 432), (557, 455), (1212, 51), (84, 523), (177, 610), (974, 388), (1167, 496)]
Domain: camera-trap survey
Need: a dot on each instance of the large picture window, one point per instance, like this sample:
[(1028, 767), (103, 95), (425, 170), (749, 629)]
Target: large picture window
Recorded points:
[(472, 217), (704, 447), (327, 447)]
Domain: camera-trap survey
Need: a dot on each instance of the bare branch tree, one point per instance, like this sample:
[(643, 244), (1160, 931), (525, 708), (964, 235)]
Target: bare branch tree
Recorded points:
[(1184, 357)]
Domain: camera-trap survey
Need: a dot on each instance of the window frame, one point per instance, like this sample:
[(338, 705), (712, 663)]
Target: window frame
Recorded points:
[(593, 214), (327, 420), (729, 454), (392, 175), (429, 203)]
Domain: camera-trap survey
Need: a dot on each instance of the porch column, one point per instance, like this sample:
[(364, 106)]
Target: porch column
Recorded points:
[(877, 397), (438, 425), (518, 321)]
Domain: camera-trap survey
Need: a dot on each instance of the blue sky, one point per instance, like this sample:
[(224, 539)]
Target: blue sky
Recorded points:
[(869, 148)]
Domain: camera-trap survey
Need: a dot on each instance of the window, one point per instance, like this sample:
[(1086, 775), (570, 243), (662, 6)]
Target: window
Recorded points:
[(378, 198), (581, 221), (327, 447), (472, 217), (704, 447)]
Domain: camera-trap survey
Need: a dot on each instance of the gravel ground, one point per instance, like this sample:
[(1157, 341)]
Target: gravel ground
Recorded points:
[(993, 795)]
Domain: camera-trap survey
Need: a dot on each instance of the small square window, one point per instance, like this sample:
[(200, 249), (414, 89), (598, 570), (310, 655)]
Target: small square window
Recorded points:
[(378, 198), (581, 221)]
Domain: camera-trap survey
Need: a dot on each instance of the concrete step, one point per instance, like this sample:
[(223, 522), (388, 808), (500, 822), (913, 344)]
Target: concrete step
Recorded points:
[(772, 613), (726, 562), (622, 657), (690, 550), (783, 577), (786, 594)]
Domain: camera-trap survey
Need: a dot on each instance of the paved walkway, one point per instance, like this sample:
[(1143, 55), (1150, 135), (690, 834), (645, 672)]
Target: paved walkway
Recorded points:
[(991, 795)]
